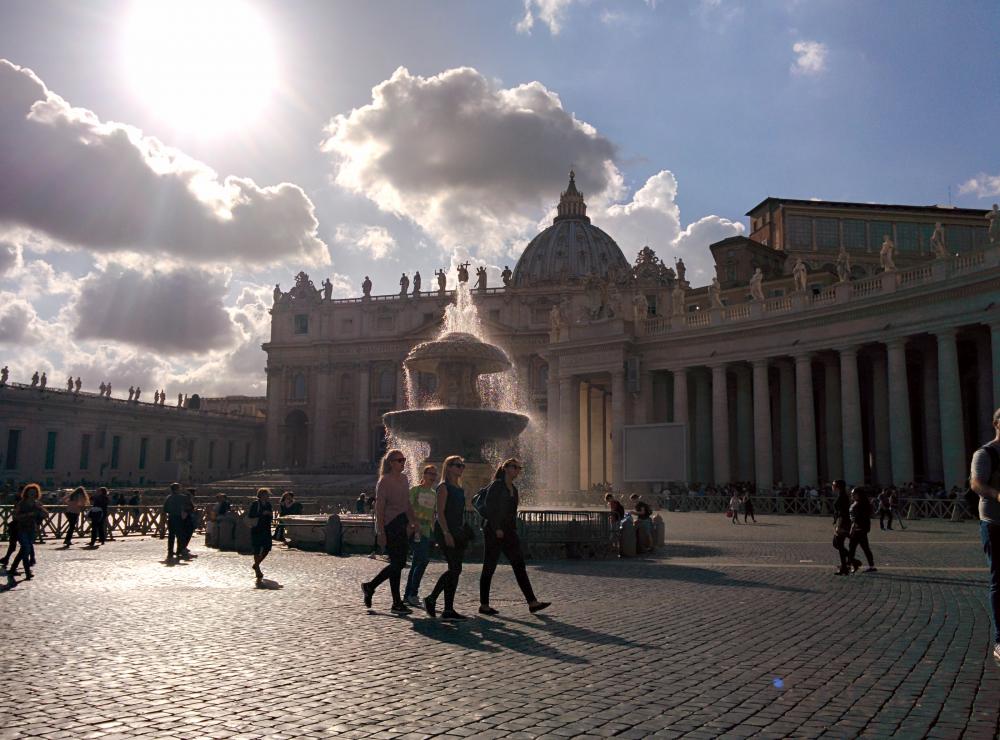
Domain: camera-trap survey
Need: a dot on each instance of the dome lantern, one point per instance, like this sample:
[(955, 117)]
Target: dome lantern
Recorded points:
[(571, 204)]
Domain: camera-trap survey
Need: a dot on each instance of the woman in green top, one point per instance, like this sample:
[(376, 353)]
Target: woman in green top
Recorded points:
[(424, 499)]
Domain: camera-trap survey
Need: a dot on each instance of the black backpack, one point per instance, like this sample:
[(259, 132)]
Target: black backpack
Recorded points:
[(479, 501)]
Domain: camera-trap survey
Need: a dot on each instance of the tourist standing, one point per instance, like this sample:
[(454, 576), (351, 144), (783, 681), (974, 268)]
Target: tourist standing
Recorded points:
[(174, 507), (98, 514), (841, 526), (76, 502), (500, 536), (287, 506), (734, 507), (748, 512), (360, 505), (985, 480), (423, 499), (449, 531), (189, 522), (259, 518), (27, 513), (616, 509), (884, 510), (394, 521), (860, 514)]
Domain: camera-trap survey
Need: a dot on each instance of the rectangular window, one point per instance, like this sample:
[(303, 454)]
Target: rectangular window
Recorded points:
[(102, 439), (827, 233), (980, 237), (908, 237), (229, 456), (168, 451), (924, 233), (211, 454), (50, 450), (85, 452), (143, 447), (246, 457), (13, 443), (876, 231), (855, 234), (798, 230), (116, 445), (958, 238), (301, 323)]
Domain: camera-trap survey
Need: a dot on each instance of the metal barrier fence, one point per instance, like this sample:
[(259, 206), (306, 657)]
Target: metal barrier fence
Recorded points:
[(914, 508)]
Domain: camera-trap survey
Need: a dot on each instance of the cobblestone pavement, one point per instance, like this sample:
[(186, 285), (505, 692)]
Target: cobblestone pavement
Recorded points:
[(733, 631)]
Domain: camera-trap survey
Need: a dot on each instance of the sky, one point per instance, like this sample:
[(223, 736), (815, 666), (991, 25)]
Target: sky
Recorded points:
[(164, 164)]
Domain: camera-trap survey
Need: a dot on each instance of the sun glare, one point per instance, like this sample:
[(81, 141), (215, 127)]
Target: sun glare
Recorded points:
[(202, 65)]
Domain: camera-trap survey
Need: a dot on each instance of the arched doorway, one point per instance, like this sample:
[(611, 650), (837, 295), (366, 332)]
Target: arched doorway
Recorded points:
[(296, 439)]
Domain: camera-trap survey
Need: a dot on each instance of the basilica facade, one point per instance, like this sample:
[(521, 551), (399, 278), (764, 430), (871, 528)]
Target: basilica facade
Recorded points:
[(836, 340)]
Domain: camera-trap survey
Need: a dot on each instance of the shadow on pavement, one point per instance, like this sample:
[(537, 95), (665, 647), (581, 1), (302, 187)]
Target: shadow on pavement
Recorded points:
[(550, 624), (689, 551), (268, 585), (492, 636)]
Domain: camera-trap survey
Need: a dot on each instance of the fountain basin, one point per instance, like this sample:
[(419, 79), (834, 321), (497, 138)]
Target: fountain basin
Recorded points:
[(454, 348), (455, 431)]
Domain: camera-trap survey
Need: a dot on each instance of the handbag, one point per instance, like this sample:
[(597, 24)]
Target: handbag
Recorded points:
[(729, 513)]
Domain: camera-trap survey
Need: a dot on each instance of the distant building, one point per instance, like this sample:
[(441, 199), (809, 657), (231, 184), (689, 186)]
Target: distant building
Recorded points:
[(254, 407)]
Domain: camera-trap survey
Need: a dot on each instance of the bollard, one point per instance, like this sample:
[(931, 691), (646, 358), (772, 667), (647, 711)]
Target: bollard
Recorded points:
[(211, 534), (660, 537), (333, 544), (225, 526), (957, 511), (626, 538), (241, 538), (911, 511)]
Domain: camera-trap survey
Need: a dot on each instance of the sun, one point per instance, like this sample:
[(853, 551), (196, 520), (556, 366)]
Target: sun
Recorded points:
[(206, 66)]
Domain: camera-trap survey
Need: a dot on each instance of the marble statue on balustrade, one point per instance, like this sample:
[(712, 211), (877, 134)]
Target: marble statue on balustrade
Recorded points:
[(366, 287), (277, 292), (640, 308), (163, 396), (327, 289), (180, 400), (77, 384), (800, 274), (404, 286), (416, 283), (4, 374), (442, 281), (938, 244), (843, 265), (101, 388), (678, 300), (131, 392), (506, 276), (138, 392), (888, 254), (557, 321), (69, 383), (681, 271), (715, 294), (757, 285), (463, 272), (156, 398), (480, 278), (107, 391), (993, 219), (44, 381), (34, 380)]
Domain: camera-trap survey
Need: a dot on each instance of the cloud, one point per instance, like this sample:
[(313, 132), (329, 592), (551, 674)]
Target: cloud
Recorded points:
[(180, 311), (374, 240), (982, 186), (9, 255), (470, 162), (19, 324), (107, 187), (550, 12), (810, 59)]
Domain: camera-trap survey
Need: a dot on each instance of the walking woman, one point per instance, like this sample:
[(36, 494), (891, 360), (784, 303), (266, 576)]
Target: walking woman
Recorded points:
[(98, 514), (27, 513), (394, 522), (423, 499), (841, 526), (287, 506), (500, 535), (748, 511), (449, 531), (861, 524), (76, 502), (734, 506), (259, 517)]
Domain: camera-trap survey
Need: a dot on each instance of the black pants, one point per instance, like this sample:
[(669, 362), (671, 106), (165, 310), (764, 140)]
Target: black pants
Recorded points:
[(448, 582), (510, 546), (748, 514), (72, 517), (185, 533), (174, 528), (882, 516), (861, 538), (845, 556), (98, 529), (397, 547), (12, 531)]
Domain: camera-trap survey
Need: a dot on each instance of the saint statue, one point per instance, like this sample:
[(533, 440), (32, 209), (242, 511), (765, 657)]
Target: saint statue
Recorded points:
[(887, 254), (180, 400), (640, 308), (101, 387), (4, 374), (681, 270), (69, 383), (463, 272), (277, 292), (156, 398), (993, 218), (131, 393), (800, 274), (43, 382), (163, 396), (715, 294), (416, 283), (107, 391), (442, 280), (677, 301), (138, 390), (327, 289), (404, 286), (506, 276), (938, 245), (480, 278), (557, 322), (77, 384), (757, 285), (366, 287), (34, 379), (843, 265)]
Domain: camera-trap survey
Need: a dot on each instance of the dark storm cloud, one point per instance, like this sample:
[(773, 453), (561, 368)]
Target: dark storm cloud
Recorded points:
[(107, 187)]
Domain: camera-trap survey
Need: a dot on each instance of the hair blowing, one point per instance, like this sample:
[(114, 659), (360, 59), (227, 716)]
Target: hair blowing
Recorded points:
[(509, 461), (383, 467)]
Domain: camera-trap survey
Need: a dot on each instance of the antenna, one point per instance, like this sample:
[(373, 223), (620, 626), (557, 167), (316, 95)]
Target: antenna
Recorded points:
[(949, 196)]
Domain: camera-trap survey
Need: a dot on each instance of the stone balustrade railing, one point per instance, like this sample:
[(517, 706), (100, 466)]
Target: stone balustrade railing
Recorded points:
[(882, 284)]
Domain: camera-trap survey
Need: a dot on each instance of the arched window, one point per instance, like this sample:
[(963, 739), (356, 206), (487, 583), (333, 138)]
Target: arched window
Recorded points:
[(299, 387), (543, 377)]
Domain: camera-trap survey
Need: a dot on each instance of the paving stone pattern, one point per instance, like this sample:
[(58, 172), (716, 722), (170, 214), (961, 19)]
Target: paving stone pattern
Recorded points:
[(733, 631)]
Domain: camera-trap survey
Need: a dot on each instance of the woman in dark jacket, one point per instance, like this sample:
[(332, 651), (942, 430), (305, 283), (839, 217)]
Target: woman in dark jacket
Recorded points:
[(500, 535), (861, 524), (260, 516), (98, 514), (28, 512), (288, 506), (841, 526), (450, 535)]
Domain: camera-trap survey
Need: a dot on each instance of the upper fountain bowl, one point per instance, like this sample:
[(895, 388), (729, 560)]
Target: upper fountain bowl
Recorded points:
[(457, 347)]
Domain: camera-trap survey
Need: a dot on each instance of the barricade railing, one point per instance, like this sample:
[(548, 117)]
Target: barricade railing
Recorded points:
[(910, 508)]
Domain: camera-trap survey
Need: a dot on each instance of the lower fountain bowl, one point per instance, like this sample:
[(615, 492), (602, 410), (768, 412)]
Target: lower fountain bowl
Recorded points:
[(455, 431)]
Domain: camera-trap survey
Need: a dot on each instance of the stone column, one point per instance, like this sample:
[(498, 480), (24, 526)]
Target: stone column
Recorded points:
[(703, 426), (598, 436), (642, 402), (744, 424), (984, 388), (850, 407), (680, 376), (361, 439), (899, 412), (321, 418), (952, 425), (932, 415), (786, 424), (880, 409), (806, 427), (569, 428), (618, 403), (720, 425), (762, 426), (552, 419), (275, 418), (834, 422)]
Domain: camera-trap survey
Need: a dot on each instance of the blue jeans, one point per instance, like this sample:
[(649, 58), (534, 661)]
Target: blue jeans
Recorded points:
[(26, 555), (990, 535), (421, 556)]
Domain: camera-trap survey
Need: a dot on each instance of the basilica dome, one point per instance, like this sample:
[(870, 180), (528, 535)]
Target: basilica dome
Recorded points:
[(570, 249)]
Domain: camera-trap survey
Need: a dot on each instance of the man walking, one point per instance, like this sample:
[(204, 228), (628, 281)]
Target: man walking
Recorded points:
[(985, 480), (174, 508)]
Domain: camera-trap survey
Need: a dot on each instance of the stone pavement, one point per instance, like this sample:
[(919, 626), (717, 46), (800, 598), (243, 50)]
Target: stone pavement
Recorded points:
[(731, 632)]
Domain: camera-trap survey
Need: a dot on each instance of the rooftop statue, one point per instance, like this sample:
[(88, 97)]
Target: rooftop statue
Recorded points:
[(640, 308), (463, 272), (77, 384), (366, 287), (993, 218), (69, 383), (888, 254), (757, 285), (180, 400), (138, 391), (480, 278), (163, 396), (102, 388), (404, 286), (34, 379), (107, 391), (156, 398), (4, 374), (506, 275), (715, 294), (843, 265), (327, 289), (938, 244), (800, 273), (677, 300), (442, 280), (131, 393), (681, 269), (416, 283), (277, 292), (43, 382), (557, 322)]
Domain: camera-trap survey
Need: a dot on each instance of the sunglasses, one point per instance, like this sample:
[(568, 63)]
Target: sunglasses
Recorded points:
[(398, 459), (515, 467), (456, 465)]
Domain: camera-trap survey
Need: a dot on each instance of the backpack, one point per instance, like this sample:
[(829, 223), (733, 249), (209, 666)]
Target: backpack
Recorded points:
[(479, 501)]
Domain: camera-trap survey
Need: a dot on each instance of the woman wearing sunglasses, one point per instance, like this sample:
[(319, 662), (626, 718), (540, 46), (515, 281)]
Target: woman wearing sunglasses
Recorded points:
[(448, 531), (394, 523), (500, 536)]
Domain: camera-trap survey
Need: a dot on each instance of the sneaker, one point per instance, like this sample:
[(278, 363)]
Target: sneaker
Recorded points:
[(487, 610), (368, 592), (451, 615), (400, 608), (413, 601), (842, 572), (539, 606), (871, 569), (430, 606)]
